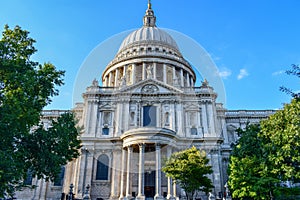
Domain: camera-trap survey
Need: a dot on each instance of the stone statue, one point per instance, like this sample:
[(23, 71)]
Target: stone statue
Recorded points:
[(176, 81), (95, 82), (167, 119), (149, 71), (123, 81)]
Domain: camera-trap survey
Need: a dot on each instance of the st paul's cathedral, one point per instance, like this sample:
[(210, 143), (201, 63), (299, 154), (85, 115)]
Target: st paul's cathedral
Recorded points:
[(146, 108)]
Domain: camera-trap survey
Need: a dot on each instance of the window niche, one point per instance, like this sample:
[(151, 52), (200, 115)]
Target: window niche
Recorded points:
[(167, 119), (106, 122), (193, 122), (102, 167)]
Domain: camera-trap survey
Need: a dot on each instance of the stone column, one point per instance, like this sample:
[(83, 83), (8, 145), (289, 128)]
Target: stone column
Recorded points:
[(169, 195), (109, 79), (174, 189), (158, 173), (117, 78), (122, 174), (124, 71), (165, 73), (188, 80), (181, 78), (133, 73), (128, 172), (141, 172)]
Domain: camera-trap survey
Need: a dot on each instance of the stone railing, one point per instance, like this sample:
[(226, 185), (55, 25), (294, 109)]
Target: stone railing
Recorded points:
[(249, 113), (52, 113)]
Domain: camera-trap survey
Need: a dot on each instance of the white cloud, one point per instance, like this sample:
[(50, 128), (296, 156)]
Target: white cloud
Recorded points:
[(243, 73), (278, 73), (224, 73)]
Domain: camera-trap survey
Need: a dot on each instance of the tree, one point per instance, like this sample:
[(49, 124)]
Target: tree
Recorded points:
[(26, 87), (295, 71), (267, 157), (247, 167), (190, 169), (281, 136)]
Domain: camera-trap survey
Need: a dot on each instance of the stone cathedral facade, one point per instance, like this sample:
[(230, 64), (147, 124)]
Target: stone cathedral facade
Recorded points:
[(147, 108)]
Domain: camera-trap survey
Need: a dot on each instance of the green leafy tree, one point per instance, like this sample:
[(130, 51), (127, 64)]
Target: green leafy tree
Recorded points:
[(281, 136), (190, 169), (267, 157), (248, 170), (26, 87)]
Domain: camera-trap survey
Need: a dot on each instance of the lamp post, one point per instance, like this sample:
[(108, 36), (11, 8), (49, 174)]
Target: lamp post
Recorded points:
[(70, 196), (87, 193)]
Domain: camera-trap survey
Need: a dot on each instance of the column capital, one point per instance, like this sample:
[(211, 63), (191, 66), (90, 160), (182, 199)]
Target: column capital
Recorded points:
[(158, 145), (141, 146), (129, 148)]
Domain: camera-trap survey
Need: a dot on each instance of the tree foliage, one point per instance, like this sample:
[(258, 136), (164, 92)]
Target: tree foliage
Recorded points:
[(267, 156), (295, 71), (281, 136), (190, 169), (26, 87), (247, 177)]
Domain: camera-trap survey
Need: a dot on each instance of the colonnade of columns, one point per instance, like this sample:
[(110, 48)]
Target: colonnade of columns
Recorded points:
[(126, 178), (149, 70)]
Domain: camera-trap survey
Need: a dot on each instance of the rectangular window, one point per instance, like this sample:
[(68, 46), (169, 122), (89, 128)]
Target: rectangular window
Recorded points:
[(105, 131), (149, 116)]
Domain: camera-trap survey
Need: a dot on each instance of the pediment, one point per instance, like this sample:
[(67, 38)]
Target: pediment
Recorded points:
[(150, 86), (105, 106)]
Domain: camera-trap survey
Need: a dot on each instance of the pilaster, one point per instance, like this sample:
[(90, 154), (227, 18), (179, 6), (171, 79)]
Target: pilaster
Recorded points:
[(116, 175)]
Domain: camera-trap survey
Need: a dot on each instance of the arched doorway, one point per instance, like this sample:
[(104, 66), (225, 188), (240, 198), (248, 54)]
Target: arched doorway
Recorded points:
[(149, 184)]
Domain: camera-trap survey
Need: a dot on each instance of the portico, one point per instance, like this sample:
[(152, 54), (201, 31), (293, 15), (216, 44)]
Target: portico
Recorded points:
[(147, 145)]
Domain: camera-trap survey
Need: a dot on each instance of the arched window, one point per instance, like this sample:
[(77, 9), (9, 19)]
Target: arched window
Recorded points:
[(58, 181), (102, 167)]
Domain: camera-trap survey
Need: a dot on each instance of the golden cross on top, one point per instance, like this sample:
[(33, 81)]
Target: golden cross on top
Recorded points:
[(149, 4)]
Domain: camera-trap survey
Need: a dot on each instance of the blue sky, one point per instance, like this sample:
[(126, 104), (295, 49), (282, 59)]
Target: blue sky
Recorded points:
[(252, 42)]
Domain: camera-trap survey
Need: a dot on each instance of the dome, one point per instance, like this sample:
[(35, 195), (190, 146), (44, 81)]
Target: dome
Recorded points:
[(148, 53), (149, 34)]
